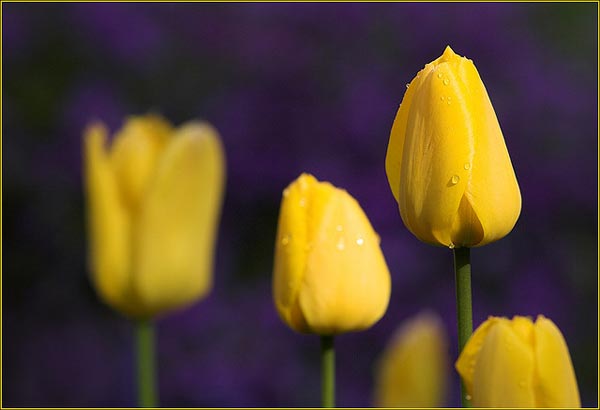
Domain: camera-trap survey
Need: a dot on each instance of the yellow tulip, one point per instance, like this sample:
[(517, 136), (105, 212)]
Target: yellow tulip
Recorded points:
[(413, 370), (447, 163), (516, 363), (153, 202), (330, 275)]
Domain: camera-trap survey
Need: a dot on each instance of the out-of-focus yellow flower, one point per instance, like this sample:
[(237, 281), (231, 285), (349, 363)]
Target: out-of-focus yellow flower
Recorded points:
[(447, 163), (413, 370), (330, 275), (153, 200), (516, 363)]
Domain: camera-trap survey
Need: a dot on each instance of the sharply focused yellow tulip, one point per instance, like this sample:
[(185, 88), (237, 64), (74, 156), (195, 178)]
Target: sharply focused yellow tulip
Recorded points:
[(330, 275), (413, 370), (447, 162), (154, 200), (516, 363)]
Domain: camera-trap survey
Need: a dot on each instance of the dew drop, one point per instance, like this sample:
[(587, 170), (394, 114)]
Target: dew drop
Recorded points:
[(407, 85), (442, 98), (446, 81), (302, 202), (467, 165), (468, 397), (285, 240), (286, 192), (455, 179), (448, 102), (339, 228), (449, 98), (439, 75), (451, 246), (360, 241), (341, 245)]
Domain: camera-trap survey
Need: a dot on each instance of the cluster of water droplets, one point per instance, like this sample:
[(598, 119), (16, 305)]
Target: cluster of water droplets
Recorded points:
[(341, 242)]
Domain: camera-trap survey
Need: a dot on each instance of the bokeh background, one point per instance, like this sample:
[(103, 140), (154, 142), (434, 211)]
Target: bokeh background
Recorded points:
[(291, 88)]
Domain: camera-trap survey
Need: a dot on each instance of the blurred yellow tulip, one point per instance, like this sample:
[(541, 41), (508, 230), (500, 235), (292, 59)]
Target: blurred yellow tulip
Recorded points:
[(153, 204), (413, 369), (330, 275), (447, 162), (516, 363)]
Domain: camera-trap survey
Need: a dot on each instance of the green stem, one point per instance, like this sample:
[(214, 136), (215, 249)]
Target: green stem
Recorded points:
[(464, 308), (327, 372), (146, 373)]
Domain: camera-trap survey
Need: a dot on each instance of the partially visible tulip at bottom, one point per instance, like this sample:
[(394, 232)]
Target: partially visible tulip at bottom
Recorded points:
[(413, 369), (518, 363)]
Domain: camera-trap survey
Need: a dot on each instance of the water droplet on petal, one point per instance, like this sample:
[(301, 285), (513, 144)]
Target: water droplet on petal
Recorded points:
[(285, 240), (467, 165), (451, 246), (468, 397), (448, 102), (455, 179), (341, 245), (302, 202), (442, 98), (286, 192), (439, 75), (446, 81), (339, 228), (407, 85), (449, 98), (360, 241)]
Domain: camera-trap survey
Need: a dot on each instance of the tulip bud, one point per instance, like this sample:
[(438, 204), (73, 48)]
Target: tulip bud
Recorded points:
[(330, 275), (413, 370), (153, 204), (447, 163), (518, 364)]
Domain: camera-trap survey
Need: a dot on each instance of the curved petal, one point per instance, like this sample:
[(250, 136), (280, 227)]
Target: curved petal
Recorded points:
[(108, 223), (175, 234), (413, 370), (556, 382), (504, 371), (346, 285), (290, 251), (465, 365)]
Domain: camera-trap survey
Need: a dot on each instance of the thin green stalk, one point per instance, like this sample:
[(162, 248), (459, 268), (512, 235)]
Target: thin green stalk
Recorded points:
[(464, 307), (146, 369), (327, 372)]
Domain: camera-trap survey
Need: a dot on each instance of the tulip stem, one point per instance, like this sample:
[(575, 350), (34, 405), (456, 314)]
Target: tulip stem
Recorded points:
[(464, 307), (146, 374), (327, 372)]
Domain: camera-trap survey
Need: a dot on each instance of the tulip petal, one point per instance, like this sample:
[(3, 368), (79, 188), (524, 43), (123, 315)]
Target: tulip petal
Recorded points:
[(556, 385), (135, 152), (465, 365), (504, 370), (290, 251), (178, 221), (346, 284), (412, 372), (108, 223)]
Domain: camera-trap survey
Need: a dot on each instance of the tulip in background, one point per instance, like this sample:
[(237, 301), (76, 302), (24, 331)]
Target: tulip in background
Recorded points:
[(518, 363), (413, 369), (330, 275), (449, 169), (447, 163), (154, 200)]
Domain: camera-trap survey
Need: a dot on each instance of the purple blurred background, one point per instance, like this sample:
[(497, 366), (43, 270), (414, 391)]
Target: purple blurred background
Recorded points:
[(292, 88)]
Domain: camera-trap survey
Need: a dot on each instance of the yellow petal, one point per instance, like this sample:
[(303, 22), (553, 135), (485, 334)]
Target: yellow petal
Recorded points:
[(556, 385), (465, 365), (108, 224), (135, 154), (447, 162), (504, 370), (175, 234), (330, 275), (413, 370)]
